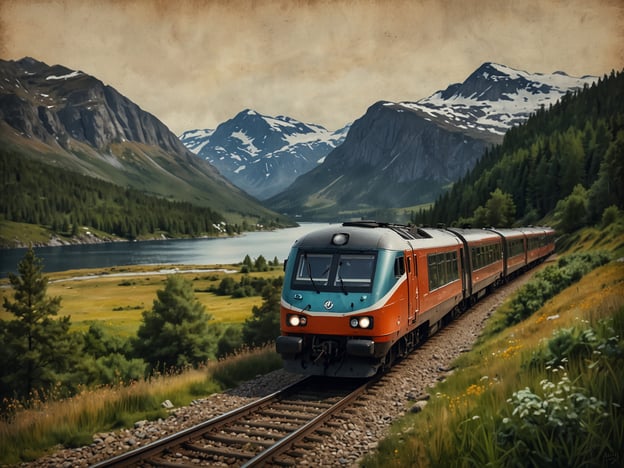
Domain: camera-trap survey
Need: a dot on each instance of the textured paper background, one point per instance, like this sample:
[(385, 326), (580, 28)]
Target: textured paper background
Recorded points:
[(195, 64)]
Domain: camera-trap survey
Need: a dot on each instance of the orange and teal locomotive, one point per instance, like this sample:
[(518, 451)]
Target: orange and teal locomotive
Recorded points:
[(359, 294)]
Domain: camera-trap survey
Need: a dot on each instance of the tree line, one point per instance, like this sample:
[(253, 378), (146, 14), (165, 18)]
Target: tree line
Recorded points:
[(61, 200), (41, 355), (573, 149)]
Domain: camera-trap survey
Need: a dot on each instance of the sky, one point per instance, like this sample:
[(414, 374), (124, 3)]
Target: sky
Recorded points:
[(195, 64)]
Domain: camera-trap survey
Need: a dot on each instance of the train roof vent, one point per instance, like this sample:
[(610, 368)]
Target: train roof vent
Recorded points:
[(368, 224), (402, 231), (406, 232), (420, 233)]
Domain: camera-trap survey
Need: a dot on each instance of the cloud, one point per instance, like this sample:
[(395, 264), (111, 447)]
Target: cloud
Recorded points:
[(197, 63)]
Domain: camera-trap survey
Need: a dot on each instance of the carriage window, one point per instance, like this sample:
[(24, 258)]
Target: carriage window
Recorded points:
[(485, 255), (442, 269), (516, 247)]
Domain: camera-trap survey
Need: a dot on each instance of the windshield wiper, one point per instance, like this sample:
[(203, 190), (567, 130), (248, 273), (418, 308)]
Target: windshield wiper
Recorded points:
[(305, 256), (342, 286)]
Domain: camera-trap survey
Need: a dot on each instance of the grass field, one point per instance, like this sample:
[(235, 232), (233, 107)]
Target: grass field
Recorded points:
[(117, 296)]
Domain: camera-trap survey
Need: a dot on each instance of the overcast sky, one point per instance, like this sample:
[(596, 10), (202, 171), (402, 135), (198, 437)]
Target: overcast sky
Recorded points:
[(195, 64)]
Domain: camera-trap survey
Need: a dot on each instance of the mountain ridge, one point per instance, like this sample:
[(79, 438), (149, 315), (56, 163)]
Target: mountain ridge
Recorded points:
[(262, 154), (406, 152), (496, 97), (73, 120)]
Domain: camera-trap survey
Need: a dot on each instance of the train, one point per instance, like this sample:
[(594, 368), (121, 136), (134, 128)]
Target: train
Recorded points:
[(358, 295)]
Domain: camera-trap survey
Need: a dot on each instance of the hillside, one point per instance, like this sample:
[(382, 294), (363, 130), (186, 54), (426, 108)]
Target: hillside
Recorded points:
[(73, 121), (84, 209), (575, 146)]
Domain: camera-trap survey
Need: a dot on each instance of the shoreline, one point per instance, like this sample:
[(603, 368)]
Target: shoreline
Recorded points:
[(130, 274), (91, 239), (88, 236)]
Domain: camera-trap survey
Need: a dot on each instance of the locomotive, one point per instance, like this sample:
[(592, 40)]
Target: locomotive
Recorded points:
[(357, 295)]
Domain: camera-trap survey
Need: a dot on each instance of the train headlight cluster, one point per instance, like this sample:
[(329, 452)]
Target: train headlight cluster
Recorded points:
[(297, 320), (361, 322)]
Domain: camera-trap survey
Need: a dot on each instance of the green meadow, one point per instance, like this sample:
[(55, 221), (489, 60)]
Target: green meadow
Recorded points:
[(119, 301)]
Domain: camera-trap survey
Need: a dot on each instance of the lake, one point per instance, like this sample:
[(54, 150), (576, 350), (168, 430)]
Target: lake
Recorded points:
[(269, 244)]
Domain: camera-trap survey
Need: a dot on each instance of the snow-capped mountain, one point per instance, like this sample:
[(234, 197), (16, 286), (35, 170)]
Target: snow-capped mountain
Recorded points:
[(407, 153), (495, 97), (262, 154)]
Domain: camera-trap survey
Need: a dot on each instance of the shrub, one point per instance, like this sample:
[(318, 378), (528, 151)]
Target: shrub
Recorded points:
[(610, 215), (575, 344), (550, 281), (556, 427)]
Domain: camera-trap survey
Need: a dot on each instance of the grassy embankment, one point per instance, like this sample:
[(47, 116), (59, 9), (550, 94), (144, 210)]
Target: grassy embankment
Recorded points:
[(72, 422), (546, 391), (119, 302)]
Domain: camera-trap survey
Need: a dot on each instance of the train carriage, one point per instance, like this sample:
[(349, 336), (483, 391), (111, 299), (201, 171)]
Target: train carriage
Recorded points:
[(514, 250), (437, 281), (483, 259), (540, 243)]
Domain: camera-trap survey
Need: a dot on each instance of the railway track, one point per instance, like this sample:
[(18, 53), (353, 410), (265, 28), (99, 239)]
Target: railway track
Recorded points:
[(269, 431)]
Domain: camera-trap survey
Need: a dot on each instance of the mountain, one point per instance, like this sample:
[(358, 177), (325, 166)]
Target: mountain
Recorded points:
[(404, 154), (495, 98), (262, 154), (72, 120), (565, 163)]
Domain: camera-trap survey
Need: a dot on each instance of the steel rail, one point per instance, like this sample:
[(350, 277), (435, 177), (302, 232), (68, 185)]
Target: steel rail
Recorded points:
[(284, 444), (178, 438)]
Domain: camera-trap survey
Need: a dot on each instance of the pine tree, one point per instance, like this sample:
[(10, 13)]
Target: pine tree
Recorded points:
[(37, 349), (264, 326), (176, 333), (572, 210)]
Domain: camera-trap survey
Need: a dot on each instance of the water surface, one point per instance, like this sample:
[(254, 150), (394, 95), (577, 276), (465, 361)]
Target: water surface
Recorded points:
[(217, 251)]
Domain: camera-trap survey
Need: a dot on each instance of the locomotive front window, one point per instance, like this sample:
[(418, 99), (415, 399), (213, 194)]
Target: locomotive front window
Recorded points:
[(355, 270), (335, 271), (314, 269)]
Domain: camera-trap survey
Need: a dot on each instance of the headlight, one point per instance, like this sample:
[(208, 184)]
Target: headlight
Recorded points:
[(340, 239), (361, 322), (293, 321), (296, 320)]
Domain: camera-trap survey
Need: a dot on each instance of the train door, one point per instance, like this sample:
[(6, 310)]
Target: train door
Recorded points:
[(466, 272), (412, 279)]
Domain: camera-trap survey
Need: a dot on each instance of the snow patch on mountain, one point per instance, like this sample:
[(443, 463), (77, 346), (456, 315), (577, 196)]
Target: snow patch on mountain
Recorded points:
[(496, 97), (195, 140), (68, 76)]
